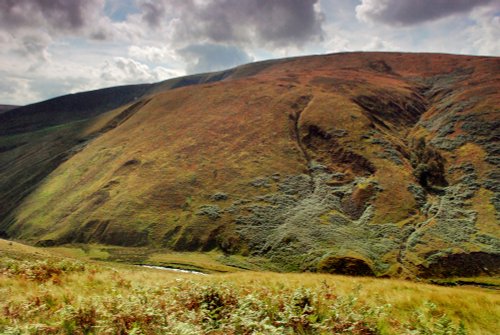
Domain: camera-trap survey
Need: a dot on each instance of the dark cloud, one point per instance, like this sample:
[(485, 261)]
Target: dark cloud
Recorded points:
[(69, 15), (153, 12), (34, 24), (410, 12), (276, 22), (212, 57)]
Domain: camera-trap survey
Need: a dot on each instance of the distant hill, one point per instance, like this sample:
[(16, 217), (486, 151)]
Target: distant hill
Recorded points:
[(5, 108), (68, 108), (357, 163)]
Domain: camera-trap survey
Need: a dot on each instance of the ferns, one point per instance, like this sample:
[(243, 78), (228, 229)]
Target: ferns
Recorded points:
[(89, 300)]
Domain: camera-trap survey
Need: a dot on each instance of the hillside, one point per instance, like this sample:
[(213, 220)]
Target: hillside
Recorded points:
[(353, 163)]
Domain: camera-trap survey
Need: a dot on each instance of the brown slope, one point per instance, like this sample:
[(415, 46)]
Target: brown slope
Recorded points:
[(35, 139), (374, 162)]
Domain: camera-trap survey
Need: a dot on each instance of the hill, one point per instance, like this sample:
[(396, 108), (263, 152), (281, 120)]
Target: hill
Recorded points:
[(354, 163), (5, 108)]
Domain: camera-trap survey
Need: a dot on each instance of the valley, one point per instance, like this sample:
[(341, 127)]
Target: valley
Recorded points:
[(379, 164)]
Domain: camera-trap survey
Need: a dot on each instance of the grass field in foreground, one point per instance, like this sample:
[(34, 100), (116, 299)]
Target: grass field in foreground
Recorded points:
[(44, 294)]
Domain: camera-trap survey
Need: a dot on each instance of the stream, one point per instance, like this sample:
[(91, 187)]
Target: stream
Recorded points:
[(166, 268)]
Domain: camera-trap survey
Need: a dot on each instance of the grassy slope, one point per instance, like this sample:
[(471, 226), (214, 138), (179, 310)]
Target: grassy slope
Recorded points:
[(61, 295), (21, 251), (255, 137), (35, 139), (27, 157)]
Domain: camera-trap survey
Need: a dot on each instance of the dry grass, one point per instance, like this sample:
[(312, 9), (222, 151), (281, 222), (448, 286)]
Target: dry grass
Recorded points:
[(21, 251), (68, 296), (477, 308)]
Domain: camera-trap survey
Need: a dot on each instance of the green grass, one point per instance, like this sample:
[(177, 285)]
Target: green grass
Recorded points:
[(208, 262), (90, 252)]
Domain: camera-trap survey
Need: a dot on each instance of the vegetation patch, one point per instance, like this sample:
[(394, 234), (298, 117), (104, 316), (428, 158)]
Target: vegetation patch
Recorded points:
[(211, 211), (345, 265), (287, 228), (69, 297)]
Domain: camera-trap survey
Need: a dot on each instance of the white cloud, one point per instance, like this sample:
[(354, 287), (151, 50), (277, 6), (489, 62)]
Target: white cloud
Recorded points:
[(337, 43), (377, 44), (123, 70), (213, 57), (16, 91), (484, 36), (153, 54)]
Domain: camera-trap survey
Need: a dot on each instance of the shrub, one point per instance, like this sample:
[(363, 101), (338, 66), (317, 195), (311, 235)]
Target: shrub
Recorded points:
[(219, 196), (428, 164), (193, 307), (212, 211), (40, 271)]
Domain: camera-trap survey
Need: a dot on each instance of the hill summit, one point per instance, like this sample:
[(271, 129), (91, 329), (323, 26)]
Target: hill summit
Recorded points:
[(353, 163)]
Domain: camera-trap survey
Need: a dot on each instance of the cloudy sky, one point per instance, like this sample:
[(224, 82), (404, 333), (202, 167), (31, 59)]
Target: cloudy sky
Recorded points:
[(53, 47)]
